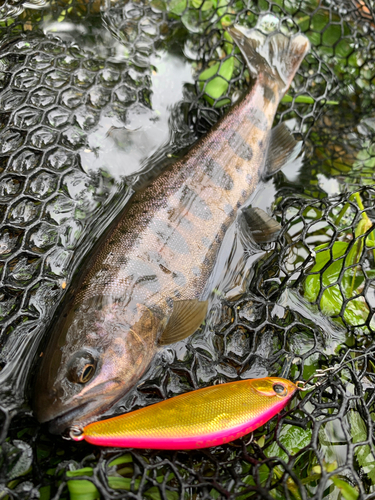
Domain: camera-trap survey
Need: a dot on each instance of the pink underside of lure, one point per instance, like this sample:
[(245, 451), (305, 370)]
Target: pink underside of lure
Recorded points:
[(175, 442), (206, 417)]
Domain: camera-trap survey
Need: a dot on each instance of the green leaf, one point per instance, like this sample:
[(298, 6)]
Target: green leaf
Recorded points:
[(122, 483), (347, 490), (124, 459), (177, 6), (363, 454), (221, 73), (292, 438), (85, 471), (263, 474), (203, 5), (82, 489), (330, 275), (45, 493), (154, 494), (304, 99)]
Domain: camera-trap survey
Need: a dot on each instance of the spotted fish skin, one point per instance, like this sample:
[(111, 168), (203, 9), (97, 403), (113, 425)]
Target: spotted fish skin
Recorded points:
[(207, 417), (161, 249)]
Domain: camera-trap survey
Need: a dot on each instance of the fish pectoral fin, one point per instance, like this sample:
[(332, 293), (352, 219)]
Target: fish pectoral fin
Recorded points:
[(282, 149), (259, 225), (186, 317)]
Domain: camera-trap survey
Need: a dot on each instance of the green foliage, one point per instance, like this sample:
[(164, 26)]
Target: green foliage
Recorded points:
[(292, 439), (336, 268), (347, 490), (218, 76), (363, 454), (119, 477)]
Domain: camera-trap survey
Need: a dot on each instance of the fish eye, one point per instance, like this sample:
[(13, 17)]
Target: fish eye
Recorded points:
[(87, 373), (81, 368), (280, 389)]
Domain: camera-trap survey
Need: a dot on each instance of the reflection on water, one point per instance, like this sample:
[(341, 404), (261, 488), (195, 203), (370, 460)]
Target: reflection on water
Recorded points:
[(121, 145), (81, 120), (86, 113)]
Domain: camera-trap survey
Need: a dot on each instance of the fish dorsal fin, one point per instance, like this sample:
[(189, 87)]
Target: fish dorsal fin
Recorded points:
[(186, 317), (282, 149), (262, 227)]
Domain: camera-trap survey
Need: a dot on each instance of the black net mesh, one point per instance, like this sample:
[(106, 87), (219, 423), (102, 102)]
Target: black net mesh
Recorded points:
[(93, 96)]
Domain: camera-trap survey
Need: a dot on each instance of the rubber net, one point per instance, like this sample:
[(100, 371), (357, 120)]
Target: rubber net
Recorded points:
[(93, 96)]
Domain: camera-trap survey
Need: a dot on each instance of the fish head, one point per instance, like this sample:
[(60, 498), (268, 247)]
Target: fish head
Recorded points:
[(274, 387), (96, 353)]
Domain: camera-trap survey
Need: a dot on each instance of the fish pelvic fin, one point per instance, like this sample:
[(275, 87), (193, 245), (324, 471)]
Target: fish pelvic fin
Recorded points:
[(186, 318), (273, 55), (283, 148)]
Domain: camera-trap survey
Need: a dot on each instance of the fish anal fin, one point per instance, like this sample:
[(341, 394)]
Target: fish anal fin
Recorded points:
[(186, 318), (261, 227), (282, 149)]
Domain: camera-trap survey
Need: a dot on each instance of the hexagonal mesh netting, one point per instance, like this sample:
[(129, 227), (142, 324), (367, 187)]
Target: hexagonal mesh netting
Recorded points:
[(93, 96)]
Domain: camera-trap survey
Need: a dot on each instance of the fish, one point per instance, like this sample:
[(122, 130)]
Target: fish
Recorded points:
[(144, 285), (199, 419)]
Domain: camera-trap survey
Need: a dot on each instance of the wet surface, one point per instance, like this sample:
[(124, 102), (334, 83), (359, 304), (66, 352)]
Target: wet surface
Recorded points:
[(91, 100)]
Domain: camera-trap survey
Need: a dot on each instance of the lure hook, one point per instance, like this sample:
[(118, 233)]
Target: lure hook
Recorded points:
[(75, 433), (320, 375)]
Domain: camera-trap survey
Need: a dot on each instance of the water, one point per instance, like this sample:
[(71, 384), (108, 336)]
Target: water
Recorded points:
[(87, 116), (111, 126)]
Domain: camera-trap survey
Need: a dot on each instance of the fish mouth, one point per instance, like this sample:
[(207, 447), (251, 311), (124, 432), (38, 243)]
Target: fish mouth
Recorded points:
[(62, 422)]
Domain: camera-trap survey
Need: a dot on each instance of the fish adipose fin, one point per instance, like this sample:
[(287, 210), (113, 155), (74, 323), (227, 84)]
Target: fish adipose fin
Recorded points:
[(259, 225), (282, 149), (187, 316), (273, 55)]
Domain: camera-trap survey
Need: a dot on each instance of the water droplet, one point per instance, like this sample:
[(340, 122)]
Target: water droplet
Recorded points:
[(72, 98), (26, 79), (109, 77), (67, 62), (58, 261), (42, 184), (27, 117), (43, 97), (42, 237), (83, 78), (57, 79), (22, 269), (58, 117), (86, 118), (60, 159), (99, 97), (40, 61), (24, 212), (10, 240), (11, 140), (125, 94), (77, 184), (25, 161), (93, 65), (10, 186), (70, 234), (8, 302), (268, 23), (12, 99), (73, 138), (60, 209), (43, 137)]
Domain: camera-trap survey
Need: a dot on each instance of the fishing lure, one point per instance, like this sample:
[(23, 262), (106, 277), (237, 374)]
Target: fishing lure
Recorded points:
[(198, 419)]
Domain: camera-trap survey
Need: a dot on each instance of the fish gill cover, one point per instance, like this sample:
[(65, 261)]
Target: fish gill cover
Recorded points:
[(93, 96)]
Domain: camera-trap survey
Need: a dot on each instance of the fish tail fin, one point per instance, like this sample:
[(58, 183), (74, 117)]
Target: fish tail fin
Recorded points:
[(274, 55)]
